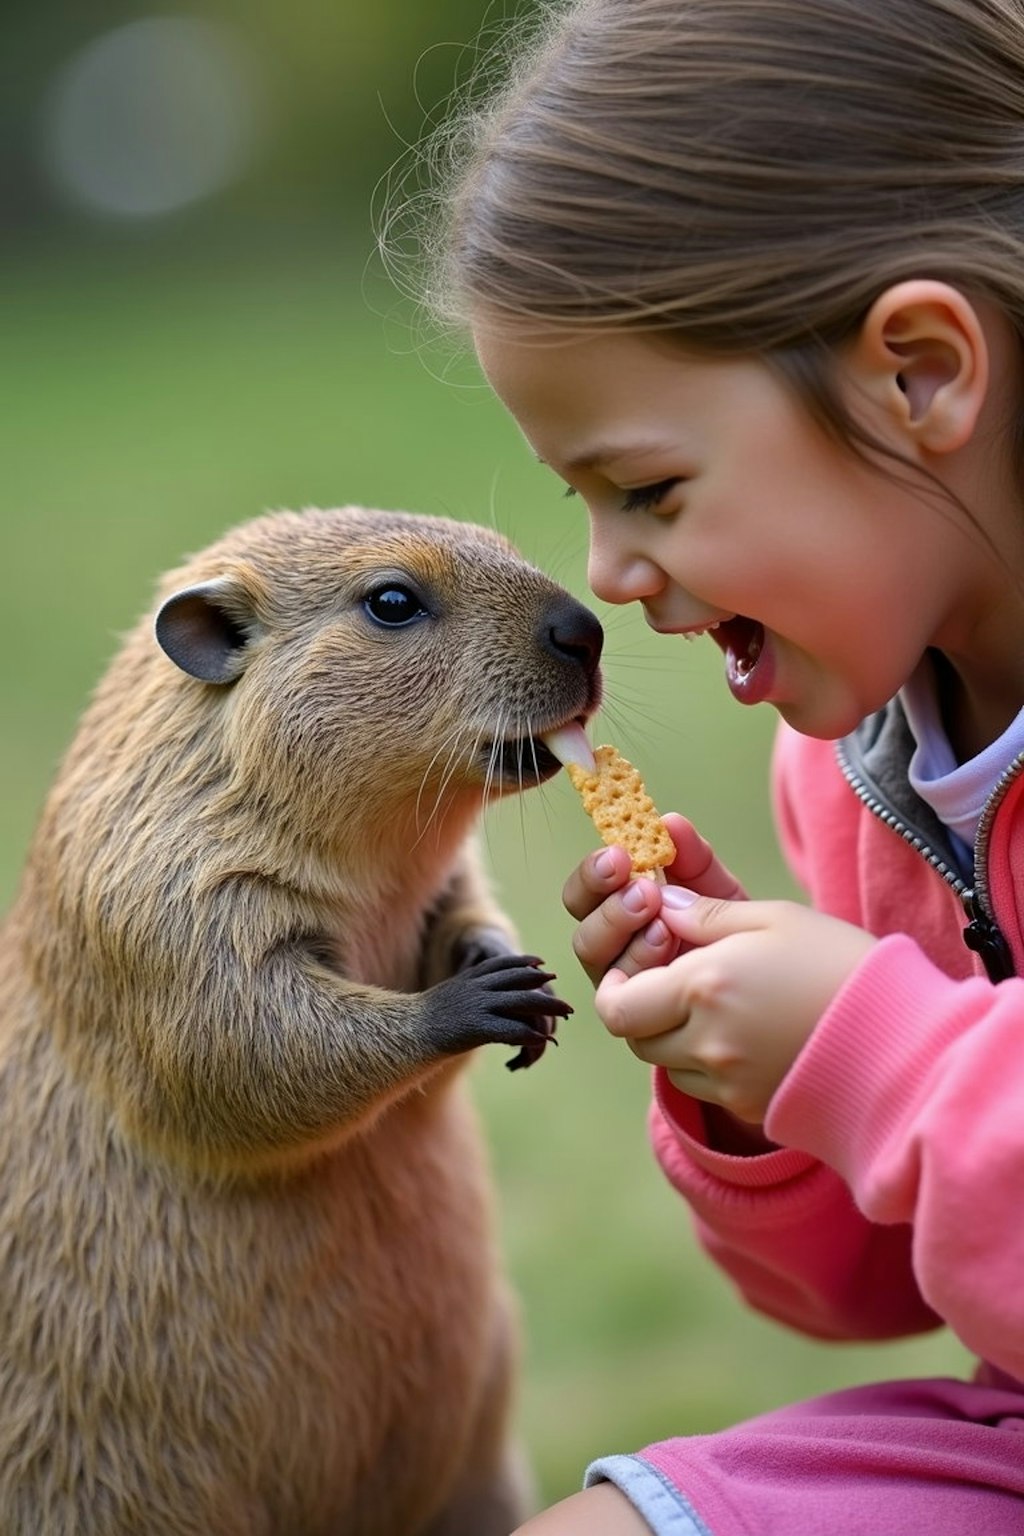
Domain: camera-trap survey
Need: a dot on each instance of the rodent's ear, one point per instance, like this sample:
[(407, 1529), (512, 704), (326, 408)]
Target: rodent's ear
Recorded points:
[(201, 629)]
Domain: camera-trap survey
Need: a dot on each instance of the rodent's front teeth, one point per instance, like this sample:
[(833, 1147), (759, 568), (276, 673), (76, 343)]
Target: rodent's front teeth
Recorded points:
[(570, 745)]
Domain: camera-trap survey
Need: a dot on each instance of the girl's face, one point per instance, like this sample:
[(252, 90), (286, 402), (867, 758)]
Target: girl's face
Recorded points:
[(719, 505)]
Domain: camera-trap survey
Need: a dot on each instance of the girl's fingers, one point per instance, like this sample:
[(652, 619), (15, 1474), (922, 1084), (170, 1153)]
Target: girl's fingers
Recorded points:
[(654, 945), (598, 875), (618, 917), (605, 934), (666, 1050), (652, 1002), (695, 863)]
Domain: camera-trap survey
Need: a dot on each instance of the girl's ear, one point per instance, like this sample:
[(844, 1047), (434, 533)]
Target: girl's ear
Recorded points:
[(922, 354)]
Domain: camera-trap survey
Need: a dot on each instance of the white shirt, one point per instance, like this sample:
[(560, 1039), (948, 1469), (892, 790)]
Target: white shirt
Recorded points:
[(956, 792)]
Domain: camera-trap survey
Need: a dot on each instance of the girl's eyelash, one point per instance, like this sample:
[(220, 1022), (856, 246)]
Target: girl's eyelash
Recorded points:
[(642, 497)]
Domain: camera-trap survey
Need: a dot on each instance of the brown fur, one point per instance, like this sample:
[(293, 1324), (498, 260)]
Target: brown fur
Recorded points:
[(248, 1285)]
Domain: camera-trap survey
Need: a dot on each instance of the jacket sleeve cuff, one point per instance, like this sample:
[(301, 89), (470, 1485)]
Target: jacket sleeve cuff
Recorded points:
[(757, 1189)]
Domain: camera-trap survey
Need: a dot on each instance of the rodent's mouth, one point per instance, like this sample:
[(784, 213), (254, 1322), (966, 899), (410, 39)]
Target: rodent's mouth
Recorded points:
[(520, 762), (514, 763)]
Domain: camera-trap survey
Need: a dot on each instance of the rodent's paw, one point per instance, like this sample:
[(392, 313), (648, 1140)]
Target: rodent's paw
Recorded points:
[(485, 943), (502, 998)]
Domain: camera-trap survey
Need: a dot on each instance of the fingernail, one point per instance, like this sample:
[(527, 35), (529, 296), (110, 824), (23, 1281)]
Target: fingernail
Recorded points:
[(678, 896), (604, 865), (634, 898), (656, 934)]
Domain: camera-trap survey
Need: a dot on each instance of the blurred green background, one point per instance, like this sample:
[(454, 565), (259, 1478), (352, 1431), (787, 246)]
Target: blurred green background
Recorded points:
[(196, 329)]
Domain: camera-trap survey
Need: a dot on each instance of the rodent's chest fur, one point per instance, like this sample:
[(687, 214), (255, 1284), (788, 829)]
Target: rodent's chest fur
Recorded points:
[(382, 947)]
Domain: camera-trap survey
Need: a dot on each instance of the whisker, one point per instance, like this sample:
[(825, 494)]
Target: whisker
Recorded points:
[(623, 710), (492, 509), (492, 758), (453, 734), (522, 808), (633, 724), (496, 746), (456, 753), (488, 780), (522, 733), (556, 561), (452, 738), (466, 755), (637, 659)]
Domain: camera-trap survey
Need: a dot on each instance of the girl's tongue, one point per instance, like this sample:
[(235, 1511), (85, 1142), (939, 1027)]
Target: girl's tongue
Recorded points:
[(746, 665)]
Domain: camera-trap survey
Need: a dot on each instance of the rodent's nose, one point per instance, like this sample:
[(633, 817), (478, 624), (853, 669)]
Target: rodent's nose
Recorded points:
[(568, 629)]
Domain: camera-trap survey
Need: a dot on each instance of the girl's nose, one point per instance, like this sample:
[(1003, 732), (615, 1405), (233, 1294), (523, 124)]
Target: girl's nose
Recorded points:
[(618, 574)]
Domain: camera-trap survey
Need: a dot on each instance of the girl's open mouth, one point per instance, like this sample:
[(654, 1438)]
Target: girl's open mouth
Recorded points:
[(747, 661)]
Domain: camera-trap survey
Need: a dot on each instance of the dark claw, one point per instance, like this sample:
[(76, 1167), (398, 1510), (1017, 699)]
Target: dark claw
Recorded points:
[(543, 1003), (528, 1054), (500, 997)]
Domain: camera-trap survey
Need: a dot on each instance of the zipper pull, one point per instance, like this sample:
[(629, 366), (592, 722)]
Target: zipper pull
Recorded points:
[(984, 938)]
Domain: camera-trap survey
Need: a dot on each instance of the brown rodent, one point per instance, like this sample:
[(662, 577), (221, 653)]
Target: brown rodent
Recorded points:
[(248, 1283)]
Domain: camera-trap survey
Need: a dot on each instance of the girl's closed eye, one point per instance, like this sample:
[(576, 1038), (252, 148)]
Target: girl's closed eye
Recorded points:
[(641, 497)]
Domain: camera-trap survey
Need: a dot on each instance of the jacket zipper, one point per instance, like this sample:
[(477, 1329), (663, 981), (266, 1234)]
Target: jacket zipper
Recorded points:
[(982, 934)]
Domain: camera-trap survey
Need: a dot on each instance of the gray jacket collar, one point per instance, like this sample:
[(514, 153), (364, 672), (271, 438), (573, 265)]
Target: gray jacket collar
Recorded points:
[(877, 754)]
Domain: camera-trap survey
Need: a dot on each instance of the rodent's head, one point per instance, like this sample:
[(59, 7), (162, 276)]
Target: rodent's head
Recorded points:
[(357, 663)]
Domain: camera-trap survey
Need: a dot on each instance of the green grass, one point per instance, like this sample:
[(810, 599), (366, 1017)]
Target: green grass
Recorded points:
[(149, 406)]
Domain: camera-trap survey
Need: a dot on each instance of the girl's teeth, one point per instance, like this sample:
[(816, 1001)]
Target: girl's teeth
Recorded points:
[(695, 634)]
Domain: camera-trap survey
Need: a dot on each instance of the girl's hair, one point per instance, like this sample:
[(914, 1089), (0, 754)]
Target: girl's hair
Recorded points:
[(746, 174)]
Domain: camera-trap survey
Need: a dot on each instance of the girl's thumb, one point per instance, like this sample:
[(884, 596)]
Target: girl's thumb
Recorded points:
[(702, 919)]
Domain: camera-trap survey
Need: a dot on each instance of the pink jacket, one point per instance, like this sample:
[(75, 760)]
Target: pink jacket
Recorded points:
[(893, 1202)]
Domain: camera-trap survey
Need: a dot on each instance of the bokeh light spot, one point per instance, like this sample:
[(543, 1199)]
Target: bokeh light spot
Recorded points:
[(151, 117)]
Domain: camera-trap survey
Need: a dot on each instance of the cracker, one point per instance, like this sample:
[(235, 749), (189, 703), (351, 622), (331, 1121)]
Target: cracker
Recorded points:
[(623, 812)]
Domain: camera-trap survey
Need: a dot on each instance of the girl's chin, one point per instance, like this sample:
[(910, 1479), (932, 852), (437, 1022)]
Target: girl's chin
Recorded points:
[(810, 719)]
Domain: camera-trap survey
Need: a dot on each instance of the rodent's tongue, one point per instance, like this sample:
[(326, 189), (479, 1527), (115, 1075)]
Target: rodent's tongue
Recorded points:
[(570, 745)]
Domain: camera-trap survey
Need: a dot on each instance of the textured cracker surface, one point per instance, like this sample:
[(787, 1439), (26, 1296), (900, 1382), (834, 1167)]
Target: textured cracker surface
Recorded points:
[(623, 812)]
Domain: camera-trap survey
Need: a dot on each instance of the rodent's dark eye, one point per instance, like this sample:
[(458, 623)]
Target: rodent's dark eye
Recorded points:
[(394, 606)]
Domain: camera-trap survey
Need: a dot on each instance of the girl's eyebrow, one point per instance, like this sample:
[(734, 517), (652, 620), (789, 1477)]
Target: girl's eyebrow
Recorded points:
[(606, 453)]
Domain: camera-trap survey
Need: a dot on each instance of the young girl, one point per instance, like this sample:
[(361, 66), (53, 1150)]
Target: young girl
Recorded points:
[(750, 276)]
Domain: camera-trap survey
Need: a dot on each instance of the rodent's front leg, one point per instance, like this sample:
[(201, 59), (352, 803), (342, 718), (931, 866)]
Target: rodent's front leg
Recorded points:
[(290, 1054)]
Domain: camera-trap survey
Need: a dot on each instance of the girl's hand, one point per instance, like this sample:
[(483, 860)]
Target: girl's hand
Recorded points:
[(618, 918), (730, 1014)]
